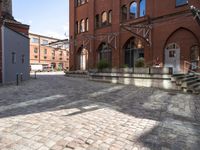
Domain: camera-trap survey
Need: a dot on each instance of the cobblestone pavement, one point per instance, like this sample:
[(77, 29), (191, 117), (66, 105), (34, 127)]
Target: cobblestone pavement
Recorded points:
[(60, 113)]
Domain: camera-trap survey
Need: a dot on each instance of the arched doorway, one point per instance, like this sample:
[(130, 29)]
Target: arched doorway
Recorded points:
[(133, 50), (82, 59), (172, 57), (105, 53), (177, 49)]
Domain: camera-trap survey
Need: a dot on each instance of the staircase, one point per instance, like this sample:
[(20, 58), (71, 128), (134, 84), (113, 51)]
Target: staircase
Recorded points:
[(187, 82)]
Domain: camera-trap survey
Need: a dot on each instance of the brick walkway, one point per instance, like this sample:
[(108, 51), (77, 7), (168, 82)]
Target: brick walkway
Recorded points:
[(59, 113)]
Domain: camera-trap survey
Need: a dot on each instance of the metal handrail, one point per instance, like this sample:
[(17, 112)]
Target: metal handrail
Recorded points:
[(188, 69)]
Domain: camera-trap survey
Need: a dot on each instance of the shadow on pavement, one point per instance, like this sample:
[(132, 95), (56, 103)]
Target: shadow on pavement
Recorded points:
[(178, 114)]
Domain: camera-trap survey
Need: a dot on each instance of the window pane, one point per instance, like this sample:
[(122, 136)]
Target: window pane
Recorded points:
[(181, 2), (45, 42), (104, 18), (110, 16), (133, 10), (142, 8), (82, 27), (35, 40), (124, 13), (23, 59), (13, 58)]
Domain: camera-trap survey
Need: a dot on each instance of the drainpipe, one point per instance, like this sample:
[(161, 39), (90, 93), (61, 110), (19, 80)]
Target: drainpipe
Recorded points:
[(39, 50)]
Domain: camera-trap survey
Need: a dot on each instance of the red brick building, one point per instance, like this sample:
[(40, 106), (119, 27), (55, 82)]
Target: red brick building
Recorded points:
[(163, 33), (46, 51)]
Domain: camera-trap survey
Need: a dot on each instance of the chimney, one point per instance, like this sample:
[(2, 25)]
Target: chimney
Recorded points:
[(6, 7), (0, 8)]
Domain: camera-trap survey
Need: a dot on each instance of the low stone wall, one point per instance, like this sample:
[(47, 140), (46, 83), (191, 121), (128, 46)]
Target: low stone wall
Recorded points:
[(144, 80), (145, 70), (77, 74)]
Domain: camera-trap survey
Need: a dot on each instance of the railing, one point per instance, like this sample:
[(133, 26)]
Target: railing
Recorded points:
[(191, 68)]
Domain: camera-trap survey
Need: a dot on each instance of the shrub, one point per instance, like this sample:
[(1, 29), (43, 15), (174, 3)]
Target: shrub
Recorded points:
[(125, 66), (140, 63), (102, 64)]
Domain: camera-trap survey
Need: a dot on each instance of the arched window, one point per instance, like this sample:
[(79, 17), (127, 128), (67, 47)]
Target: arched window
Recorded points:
[(82, 59), (110, 16), (124, 13), (82, 1), (104, 18), (87, 24), (97, 21), (133, 50), (77, 27), (133, 10), (78, 2), (82, 27), (195, 57), (105, 53), (142, 8), (195, 53)]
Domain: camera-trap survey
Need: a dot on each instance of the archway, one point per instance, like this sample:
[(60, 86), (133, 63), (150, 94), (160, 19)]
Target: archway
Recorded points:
[(105, 53), (178, 46), (82, 59), (133, 50)]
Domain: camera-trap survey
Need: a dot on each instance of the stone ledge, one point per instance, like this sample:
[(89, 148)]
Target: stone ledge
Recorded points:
[(143, 80)]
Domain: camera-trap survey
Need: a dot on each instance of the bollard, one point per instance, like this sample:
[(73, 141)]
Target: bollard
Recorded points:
[(21, 77), (17, 79), (35, 74)]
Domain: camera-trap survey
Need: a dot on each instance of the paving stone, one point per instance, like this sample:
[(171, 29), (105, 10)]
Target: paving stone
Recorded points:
[(56, 112)]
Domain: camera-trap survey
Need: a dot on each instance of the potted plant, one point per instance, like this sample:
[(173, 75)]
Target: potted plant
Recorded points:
[(103, 66)]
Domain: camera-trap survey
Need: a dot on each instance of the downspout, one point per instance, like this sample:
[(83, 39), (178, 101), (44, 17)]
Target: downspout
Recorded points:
[(1, 23), (2, 52), (39, 50)]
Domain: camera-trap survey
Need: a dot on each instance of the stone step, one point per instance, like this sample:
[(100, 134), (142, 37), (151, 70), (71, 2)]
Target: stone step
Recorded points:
[(178, 75), (195, 85), (197, 89), (191, 82), (186, 79), (181, 77)]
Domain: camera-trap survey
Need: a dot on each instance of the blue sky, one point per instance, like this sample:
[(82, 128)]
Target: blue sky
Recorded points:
[(45, 17)]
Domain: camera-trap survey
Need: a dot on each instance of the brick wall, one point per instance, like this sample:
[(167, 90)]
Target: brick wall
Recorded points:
[(169, 23)]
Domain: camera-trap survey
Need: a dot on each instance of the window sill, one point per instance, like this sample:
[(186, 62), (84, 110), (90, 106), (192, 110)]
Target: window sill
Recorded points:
[(104, 26), (82, 33), (136, 20)]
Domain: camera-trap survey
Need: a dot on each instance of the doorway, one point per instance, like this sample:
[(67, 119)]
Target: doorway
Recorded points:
[(172, 57)]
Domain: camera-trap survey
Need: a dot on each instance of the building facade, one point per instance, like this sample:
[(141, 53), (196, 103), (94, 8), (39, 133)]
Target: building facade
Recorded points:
[(47, 52), (14, 46), (163, 33)]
